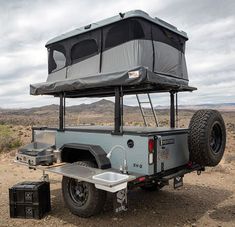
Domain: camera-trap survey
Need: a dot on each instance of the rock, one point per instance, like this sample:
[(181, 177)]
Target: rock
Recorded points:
[(20, 133)]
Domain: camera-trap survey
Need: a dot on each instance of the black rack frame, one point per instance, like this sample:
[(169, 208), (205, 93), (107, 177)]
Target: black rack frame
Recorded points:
[(118, 92)]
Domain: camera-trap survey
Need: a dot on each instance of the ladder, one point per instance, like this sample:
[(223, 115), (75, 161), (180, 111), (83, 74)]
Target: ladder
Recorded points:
[(145, 116)]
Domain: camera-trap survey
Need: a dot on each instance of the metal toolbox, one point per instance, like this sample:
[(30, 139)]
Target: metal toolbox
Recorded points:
[(29, 200)]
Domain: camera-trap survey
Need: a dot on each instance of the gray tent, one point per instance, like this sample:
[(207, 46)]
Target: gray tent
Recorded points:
[(131, 50)]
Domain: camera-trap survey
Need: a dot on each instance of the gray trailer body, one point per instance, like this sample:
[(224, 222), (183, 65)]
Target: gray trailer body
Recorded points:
[(171, 146)]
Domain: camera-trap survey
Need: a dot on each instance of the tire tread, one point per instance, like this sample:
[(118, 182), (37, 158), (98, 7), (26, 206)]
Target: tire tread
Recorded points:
[(198, 137)]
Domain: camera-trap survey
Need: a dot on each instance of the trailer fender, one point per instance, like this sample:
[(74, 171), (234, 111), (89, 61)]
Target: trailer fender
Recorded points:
[(72, 152)]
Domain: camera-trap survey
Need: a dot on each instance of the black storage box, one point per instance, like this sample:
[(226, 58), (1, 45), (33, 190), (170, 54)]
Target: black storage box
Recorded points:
[(29, 200)]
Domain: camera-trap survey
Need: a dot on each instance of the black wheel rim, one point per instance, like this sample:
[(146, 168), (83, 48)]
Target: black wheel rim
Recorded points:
[(78, 192), (216, 138)]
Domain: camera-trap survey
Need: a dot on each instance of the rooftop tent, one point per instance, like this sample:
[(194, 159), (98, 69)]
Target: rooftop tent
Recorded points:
[(104, 54)]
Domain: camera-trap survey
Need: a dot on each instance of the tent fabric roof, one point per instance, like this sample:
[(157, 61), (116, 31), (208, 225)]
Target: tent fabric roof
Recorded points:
[(129, 14)]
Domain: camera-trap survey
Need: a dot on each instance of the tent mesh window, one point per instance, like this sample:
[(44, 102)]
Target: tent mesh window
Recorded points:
[(167, 37), (83, 49), (122, 32), (57, 59)]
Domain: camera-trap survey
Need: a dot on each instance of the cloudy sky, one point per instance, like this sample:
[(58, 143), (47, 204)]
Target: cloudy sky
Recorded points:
[(26, 25)]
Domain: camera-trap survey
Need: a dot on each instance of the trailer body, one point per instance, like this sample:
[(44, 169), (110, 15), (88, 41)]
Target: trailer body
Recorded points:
[(170, 145)]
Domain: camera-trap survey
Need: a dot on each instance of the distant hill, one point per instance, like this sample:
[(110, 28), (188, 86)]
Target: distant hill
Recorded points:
[(105, 106), (98, 107), (219, 106), (100, 112), (34, 110)]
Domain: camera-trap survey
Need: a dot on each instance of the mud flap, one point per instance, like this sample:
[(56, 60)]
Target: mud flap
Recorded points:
[(178, 182), (120, 200)]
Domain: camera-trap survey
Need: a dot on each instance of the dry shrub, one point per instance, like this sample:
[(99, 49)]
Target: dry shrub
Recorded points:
[(8, 139)]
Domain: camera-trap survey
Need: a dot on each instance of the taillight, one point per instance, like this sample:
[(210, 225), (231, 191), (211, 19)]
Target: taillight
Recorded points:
[(151, 150), (190, 164), (141, 179), (151, 145)]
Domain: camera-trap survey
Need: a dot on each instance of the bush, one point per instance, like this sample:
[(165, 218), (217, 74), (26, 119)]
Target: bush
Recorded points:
[(8, 139)]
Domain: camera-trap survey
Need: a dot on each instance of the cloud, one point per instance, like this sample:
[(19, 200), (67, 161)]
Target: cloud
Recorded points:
[(27, 25)]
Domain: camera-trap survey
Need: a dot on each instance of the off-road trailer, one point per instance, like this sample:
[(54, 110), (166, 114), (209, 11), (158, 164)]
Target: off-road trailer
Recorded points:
[(128, 54)]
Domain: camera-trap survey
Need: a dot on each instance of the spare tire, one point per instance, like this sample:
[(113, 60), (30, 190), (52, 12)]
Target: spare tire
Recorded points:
[(207, 137)]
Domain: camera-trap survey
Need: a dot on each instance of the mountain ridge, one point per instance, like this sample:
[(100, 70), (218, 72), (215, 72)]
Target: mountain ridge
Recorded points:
[(105, 105)]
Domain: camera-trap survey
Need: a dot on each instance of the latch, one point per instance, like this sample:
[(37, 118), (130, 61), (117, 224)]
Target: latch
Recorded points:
[(160, 140)]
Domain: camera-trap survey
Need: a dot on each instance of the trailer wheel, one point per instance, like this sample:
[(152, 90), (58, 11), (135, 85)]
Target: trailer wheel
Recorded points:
[(207, 137), (82, 198)]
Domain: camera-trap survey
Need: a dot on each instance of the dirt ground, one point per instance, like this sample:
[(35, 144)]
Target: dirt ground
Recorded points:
[(205, 200)]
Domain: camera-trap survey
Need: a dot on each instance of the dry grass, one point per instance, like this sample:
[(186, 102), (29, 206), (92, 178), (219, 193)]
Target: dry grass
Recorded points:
[(8, 138)]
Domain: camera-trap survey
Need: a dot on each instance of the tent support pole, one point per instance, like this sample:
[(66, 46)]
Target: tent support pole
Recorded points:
[(61, 113), (176, 110), (172, 109), (118, 112)]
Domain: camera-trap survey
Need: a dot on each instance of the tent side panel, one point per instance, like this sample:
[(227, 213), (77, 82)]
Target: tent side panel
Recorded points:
[(168, 60), (84, 68), (57, 75), (146, 54), (127, 56), (184, 67)]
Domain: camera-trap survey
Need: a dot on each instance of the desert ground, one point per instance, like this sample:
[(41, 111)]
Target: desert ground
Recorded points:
[(205, 200)]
